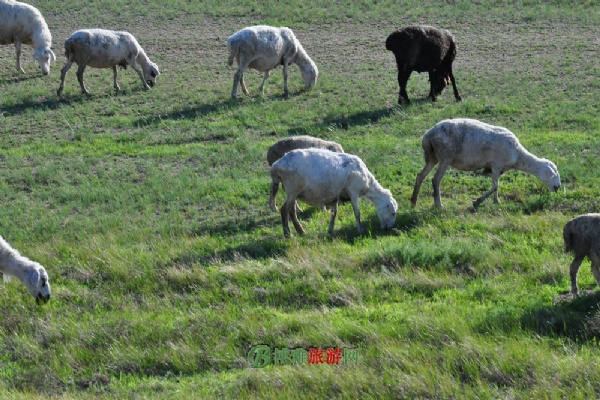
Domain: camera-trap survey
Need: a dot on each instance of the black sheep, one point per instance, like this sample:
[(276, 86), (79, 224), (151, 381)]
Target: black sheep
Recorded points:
[(424, 48)]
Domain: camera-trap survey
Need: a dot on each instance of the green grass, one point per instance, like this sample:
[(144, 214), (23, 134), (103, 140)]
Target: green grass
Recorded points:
[(149, 211)]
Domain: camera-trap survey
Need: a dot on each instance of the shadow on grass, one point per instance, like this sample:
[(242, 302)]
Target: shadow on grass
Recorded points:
[(577, 318), (53, 103), (198, 111), (254, 250), (17, 79), (357, 119)]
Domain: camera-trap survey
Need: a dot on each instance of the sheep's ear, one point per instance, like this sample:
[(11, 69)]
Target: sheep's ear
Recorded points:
[(35, 278), (53, 55)]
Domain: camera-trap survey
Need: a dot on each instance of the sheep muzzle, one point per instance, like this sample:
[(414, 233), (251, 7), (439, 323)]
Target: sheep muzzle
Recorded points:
[(41, 299)]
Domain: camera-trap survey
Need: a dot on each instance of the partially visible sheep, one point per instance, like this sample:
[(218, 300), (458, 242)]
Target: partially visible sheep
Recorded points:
[(468, 145), (582, 238), (21, 23), (288, 144), (263, 48), (100, 48), (424, 49), (32, 274), (319, 177)]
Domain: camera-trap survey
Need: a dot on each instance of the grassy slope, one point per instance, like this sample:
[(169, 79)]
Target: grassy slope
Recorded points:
[(149, 211)]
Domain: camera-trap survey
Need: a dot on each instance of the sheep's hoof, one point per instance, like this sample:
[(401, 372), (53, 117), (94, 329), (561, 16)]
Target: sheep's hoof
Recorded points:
[(59, 92), (458, 98)]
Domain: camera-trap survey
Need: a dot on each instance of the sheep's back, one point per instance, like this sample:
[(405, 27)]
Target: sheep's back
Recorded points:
[(581, 233), (421, 47), (102, 48), (19, 20), (471, 144), (319, 175), (283, 146)]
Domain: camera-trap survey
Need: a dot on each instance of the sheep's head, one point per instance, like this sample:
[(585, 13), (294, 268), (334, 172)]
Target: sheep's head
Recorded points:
[(440, 81), (44, 57), (387, 212), (151, 73), (550, 176), (38, 284), (310, 72)]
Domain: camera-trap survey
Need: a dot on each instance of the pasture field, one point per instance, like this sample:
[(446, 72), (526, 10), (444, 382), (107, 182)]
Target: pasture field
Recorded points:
[(149, 211)]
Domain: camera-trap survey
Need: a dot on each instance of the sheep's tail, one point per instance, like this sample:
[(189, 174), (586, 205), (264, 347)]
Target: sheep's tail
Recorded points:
[(233, 51), (428, 149), (69, 49), (569, 237)]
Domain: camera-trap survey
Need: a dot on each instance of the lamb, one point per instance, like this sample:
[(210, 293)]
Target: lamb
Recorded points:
[(285, 145), (100, 48), (582, 238), (263, 48), (468, 145), (320, 177), (424, 49), (32, 274), (21, 23)]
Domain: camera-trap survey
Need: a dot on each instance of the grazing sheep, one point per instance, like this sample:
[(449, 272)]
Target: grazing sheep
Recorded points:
[(32, 274), (424, 49), (263, 48), (582, 238), (21, 23), (100, 48), (288, 144), (468, 145), (320, 177)]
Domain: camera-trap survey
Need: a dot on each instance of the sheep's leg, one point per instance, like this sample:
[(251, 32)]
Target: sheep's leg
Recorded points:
[(115, 73), (494, 190), (456, 95), (286, 92), (595, 266), (140, 74), (261, 88), (272, 194), (354, 201), (437, 179), (419, 181), (63, 74), (285, 219), (18, 51), (403, 76), (244, 87), (288, 209), (334, 210), (432, 80), (295, 221), (237, 78), (80, 70), (573, 273)]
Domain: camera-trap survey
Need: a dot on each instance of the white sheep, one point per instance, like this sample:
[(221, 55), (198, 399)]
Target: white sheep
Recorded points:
[(32, 274), (582, 238), (468, 145), (320, 177), (263, 48), (288, 144), (21, 23), (100, 48)]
